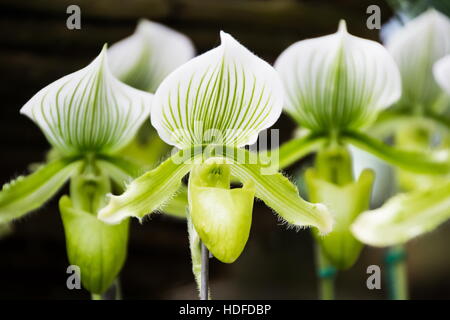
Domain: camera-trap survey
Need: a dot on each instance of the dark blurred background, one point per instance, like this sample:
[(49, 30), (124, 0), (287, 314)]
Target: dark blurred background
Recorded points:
[(37, 48)]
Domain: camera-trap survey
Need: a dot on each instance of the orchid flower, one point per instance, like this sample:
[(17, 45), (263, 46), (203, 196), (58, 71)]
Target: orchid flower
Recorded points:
[(409, 215), (86, 116), (209, 108), (142, 61), (335, 87)]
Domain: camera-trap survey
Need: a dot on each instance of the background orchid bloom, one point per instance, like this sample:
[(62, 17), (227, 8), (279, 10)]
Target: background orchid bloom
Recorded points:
[(416, 47), (87, 116), (142, 61), (208, 108), (337, 84), (335, 87), (409, 215)]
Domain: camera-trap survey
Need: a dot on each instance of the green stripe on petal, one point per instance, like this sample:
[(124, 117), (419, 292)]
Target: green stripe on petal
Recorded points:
[(441, 71), (150, 191), (145, 58), (89, 110), (337, 81), (28, 193), (404, 217), (415, 48), (225, 96)]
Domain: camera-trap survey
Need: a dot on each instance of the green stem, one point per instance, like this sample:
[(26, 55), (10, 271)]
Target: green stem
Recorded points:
[(325, 274), (397, 273)]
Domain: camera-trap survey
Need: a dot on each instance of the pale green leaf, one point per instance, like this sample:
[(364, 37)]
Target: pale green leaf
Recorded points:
[(404, 217), (415, 48), (225, 96), (145, 58), (89, 110), (97, 248), (337, 81), (28, 193), (441, 71)]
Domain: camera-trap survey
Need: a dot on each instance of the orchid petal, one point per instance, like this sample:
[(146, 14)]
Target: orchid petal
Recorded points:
[(225, 96), (415, 48), (145, 58), (89, 110), (337, 81)]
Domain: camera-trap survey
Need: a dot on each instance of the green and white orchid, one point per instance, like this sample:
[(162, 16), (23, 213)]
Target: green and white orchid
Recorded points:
[(142, 61), (209, 108), (409, 215), (86, 116), (335, 87), (416, 47)]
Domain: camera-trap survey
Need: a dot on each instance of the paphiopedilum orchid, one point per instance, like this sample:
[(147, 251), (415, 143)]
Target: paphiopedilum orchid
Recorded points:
[(142, 61), (412, 214), (335, 87), (86, 116), (209, 108)]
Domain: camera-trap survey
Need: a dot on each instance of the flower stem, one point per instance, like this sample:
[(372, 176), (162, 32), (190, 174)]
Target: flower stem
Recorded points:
[(325, 275), (204, 288), (397, 273)]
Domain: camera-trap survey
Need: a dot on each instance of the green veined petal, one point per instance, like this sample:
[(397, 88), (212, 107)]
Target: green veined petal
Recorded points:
[(346, 203), (178, 204), (415, 48), (89, 110), (221, 216), (119, 169), (282, 196), (97, 248), (225, 96), (441, 72), (404, 217), (28, 193), (337, 81), (145, 58), (413, 161), (150, 191)]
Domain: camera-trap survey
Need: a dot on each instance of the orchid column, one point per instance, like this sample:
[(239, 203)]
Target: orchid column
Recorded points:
[(86, 116), (209, 108)]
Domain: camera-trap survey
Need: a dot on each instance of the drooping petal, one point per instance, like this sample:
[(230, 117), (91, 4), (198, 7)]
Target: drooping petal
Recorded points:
[(149, 192), (404, 217), (221, 216), (281, 195), (441, 71), (346, 203), (145, 58), (337, 81), (97, 248), (415, 48), (225, 96), (28, 193), (89, 110), (436, 163)]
